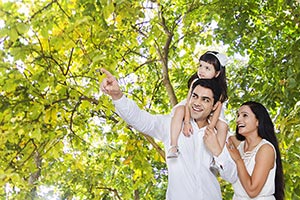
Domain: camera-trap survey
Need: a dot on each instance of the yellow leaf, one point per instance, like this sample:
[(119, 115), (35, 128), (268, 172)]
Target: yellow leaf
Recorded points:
[(50, 115), (139, 143), (137, 174), (54, 115), (47, 116), (127, 160), (130, 147), (86, 104), (79, 166), (123, 137)]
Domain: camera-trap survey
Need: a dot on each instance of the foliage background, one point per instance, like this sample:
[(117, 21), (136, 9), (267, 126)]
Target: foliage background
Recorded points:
[(60, 137)]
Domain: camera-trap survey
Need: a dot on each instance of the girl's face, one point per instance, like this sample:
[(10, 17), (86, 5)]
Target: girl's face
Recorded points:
[(246, 121), (207, 70)]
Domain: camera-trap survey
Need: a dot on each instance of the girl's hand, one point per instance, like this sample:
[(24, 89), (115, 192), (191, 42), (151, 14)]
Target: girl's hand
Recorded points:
[(187, 129)]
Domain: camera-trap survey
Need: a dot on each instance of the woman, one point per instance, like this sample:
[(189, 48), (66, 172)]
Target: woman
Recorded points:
[(256, 154)]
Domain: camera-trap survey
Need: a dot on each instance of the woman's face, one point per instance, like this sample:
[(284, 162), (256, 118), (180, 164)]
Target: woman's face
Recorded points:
[(246, 121), (206, 70)]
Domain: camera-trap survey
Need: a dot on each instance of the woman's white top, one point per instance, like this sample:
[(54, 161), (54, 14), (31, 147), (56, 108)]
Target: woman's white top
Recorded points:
[(268, 190)]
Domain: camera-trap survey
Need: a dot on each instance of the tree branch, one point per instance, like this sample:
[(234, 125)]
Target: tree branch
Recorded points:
[(155, 145), (115, 191), (42, 9), (164, 58)]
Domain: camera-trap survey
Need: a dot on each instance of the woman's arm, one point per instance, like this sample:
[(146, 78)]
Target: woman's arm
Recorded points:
[(264, 162)]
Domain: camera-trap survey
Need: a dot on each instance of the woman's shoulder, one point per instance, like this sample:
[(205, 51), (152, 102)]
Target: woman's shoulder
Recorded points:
[(266, 152), (266, 144)]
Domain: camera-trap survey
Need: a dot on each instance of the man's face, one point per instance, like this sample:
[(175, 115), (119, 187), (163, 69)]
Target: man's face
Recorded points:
[(201, 104)]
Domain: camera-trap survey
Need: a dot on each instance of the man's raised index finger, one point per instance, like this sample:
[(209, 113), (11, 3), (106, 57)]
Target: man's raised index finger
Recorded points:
[(108, 74)]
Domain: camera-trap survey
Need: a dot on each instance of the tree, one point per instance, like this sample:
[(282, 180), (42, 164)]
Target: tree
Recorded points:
[(58, 131)]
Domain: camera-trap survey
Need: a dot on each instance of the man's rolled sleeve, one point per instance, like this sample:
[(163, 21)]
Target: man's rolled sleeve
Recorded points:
[(227, 167)]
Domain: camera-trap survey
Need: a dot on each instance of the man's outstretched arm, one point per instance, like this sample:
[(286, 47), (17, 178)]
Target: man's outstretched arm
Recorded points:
[(153, 125)]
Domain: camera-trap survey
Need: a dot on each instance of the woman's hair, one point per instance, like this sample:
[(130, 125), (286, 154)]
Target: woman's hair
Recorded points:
[(211, 58), (266, 131)]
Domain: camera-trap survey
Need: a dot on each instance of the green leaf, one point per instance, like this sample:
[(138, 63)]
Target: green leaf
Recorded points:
[(13, 35), (22, 28)]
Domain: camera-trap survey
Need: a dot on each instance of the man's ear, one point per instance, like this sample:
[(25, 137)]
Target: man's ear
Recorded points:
[(217, 74)]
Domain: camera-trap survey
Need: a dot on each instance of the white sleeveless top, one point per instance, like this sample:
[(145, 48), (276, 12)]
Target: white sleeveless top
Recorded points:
[(268, 190)]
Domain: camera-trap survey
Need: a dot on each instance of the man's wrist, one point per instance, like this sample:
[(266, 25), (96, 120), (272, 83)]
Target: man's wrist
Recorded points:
[(117, 96)]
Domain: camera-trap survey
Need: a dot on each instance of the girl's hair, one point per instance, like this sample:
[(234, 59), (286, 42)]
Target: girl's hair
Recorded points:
[(210, 57), (266, 131)]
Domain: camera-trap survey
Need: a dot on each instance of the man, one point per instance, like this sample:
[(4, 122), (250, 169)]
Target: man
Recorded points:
[(189, 176)]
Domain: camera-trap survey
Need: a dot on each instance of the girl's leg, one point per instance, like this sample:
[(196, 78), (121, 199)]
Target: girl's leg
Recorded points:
[(175, 130)]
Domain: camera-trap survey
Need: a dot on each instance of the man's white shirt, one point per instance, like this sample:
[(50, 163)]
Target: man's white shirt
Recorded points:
[(189, 176)]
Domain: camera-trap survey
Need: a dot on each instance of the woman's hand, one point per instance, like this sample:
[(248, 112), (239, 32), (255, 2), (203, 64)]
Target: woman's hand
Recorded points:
[(234, 152)]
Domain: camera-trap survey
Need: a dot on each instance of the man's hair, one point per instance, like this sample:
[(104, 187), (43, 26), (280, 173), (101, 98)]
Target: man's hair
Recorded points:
[(210, 84)]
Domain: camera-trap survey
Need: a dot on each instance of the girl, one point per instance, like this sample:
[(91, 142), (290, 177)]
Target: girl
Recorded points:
[(256, 155), (212, 65)]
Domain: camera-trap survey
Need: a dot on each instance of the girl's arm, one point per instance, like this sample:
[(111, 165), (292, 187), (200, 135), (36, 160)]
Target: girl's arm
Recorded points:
[(222, 129), (221, 126), (216, 114)]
